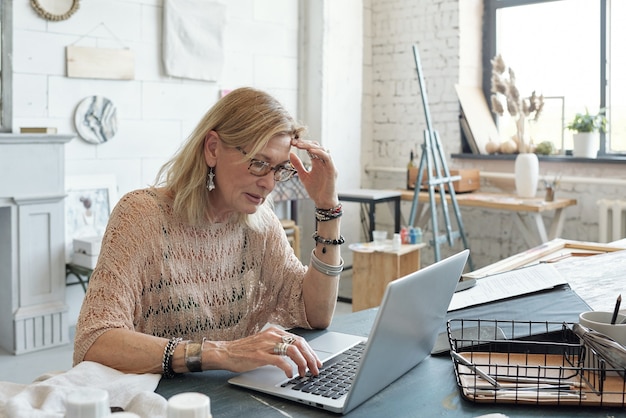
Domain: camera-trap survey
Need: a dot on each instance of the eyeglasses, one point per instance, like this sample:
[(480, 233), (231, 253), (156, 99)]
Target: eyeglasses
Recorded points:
[(282, 172)]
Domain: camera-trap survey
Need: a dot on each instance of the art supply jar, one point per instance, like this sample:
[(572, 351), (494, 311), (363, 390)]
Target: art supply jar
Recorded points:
[(404, 235), (189, 405), (415, 235), (418, 235), (396, 242)]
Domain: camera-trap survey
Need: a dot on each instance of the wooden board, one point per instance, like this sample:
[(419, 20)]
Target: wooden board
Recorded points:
[(38, 130), (478, 116), (86, 62), (498, 201), (469, 179)]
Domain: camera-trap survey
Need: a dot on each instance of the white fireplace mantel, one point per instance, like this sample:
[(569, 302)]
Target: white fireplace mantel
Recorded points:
[(33, 312)]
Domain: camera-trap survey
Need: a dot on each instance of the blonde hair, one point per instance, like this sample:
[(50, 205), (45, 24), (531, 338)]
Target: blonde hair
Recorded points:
[(244, 116)]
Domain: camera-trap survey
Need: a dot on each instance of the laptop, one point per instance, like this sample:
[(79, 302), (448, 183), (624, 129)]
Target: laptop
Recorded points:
[(404, 332)]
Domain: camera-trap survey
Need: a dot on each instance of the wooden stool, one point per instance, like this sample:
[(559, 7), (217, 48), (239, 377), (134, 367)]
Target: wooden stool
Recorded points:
[(293, 234), (372, 271)]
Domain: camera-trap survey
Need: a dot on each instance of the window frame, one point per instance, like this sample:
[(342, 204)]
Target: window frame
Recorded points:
[(489, 51)]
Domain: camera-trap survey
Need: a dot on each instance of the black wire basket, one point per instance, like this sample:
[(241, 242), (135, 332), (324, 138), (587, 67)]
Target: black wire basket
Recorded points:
[(527, 362)]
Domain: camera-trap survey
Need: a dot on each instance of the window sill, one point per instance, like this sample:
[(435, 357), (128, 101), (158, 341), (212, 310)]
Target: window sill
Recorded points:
[(553, 158)]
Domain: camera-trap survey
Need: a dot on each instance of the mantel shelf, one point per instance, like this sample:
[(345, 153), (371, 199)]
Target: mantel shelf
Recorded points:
[(9, 138)]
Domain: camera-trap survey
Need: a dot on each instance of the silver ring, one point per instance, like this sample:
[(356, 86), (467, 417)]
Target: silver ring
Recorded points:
[(281, 349), (288, 339), (313, 156)]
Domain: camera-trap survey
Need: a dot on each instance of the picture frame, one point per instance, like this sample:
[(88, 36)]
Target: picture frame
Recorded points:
[(88, 204), (478, 116), (549, 252)]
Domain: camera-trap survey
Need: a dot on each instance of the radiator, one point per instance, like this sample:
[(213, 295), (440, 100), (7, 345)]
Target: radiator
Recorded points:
[(612, 220)]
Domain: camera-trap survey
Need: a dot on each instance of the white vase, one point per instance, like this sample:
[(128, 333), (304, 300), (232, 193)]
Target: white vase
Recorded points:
[(586, 144), (526, 174)]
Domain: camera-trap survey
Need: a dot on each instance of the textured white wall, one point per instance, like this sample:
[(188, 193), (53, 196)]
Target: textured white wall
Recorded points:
[(155, 112), (397, 120)]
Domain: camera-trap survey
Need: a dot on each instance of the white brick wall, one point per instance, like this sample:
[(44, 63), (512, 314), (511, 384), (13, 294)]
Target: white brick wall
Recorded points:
[(397, 113), (394, 119)]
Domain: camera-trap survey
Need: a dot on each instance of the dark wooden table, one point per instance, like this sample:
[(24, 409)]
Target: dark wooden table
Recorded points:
[(427, 390)]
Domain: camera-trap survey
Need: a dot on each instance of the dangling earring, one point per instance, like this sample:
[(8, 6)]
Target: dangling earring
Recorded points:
[(210, 184)]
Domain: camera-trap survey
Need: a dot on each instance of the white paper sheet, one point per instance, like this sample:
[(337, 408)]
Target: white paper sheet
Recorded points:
[(505, 285)]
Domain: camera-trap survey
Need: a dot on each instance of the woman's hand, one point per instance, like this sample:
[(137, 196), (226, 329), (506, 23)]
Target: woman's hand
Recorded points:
[(262, 349), (319, 182)]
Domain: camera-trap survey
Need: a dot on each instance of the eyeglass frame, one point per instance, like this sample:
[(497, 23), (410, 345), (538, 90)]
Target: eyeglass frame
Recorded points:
[(277, 169)]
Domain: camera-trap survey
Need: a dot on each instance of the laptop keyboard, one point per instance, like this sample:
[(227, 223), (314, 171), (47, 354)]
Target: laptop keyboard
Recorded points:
[(335, 378)]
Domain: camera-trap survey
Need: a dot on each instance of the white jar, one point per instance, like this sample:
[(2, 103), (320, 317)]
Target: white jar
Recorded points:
[(87, 403), (189, 405), (396, 243)]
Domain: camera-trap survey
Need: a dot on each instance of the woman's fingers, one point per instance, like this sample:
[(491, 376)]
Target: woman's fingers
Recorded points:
[(316, 152), (298, 351)]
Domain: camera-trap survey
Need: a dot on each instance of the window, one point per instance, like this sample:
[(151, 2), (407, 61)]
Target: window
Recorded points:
[(558, 48)]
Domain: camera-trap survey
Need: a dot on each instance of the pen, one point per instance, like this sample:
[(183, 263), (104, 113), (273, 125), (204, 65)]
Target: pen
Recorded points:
[(616, 310), (536, 381), (526, 387), (475, 369), (511, 394)]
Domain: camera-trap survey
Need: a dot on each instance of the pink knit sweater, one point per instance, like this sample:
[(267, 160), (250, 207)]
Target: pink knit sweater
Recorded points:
[(158, 275)]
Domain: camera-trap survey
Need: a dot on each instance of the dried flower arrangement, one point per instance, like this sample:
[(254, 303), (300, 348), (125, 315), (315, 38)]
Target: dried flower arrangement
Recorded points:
[(503, 89)]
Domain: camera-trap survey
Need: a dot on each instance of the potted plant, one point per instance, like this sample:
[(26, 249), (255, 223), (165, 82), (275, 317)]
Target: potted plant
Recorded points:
[(587, 128)]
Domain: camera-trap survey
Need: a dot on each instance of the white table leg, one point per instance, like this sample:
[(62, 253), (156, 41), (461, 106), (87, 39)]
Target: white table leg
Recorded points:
[(556, 228), (541, 227), (528, 236)]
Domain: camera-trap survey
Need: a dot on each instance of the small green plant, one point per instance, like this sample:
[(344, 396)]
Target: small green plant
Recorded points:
[(588, 123)]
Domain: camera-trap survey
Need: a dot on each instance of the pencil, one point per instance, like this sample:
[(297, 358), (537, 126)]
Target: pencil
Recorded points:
[(616, 310), (473, 368)]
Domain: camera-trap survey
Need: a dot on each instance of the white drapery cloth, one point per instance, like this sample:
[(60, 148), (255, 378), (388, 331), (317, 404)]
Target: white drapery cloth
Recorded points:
[(45, 398), (192, 38)]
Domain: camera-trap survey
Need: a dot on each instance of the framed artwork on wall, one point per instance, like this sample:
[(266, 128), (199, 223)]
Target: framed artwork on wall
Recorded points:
[(88, 203)]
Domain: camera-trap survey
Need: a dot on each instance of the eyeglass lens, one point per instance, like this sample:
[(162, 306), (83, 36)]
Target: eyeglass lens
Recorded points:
[(261, 168)]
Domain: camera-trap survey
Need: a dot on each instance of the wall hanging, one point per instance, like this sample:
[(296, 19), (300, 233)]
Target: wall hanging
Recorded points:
[(192, 39), (94, 62), (95, 119), (55, 10)]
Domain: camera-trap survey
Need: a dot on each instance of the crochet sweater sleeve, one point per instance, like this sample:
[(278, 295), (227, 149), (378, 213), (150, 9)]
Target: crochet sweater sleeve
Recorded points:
[(160, 276)]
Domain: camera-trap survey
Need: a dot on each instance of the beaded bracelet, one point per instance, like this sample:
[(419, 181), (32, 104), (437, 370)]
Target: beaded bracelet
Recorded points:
[(326, 241), (323, 215), (323, 218), (168, 353), (193, 356), (324, 268)]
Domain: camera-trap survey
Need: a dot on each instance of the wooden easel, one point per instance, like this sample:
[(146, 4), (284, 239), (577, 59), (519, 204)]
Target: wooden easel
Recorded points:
[(434, 162)]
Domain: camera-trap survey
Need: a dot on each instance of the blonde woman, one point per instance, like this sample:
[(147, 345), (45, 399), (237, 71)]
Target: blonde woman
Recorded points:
[(193, 269)]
